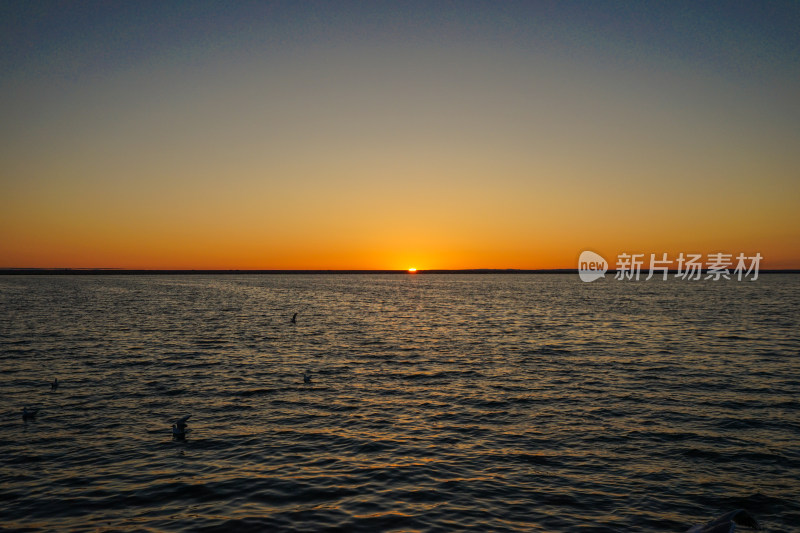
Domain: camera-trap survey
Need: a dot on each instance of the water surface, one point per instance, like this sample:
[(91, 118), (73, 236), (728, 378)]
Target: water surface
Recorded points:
[(438, 402)]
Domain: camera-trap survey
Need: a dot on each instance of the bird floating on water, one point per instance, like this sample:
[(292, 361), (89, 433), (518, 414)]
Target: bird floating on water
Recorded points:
[(294, 319), (727, 523), (179, 429), (307, 376), (29, 414), (54, 384)]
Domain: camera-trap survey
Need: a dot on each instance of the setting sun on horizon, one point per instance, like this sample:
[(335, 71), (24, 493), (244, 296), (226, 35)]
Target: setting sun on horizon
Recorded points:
[(332, 136)]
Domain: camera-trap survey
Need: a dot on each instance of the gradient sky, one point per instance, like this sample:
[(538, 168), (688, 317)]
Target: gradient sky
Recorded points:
[(273, 135)]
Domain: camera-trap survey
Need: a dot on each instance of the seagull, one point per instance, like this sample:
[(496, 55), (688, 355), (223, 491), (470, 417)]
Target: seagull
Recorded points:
[(307, 376), (179, 429), (29, 415), (294, 319), (727, 523), (54, 384)]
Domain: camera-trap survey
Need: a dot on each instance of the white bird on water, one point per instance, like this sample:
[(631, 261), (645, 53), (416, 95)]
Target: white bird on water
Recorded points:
[(29, 414), (727, 523), (179, 429)]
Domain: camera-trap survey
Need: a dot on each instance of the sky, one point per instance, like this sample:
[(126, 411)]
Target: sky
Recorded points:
[(391, 135)]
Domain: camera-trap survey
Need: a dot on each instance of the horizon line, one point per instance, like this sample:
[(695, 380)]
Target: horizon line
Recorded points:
[(230, 271)]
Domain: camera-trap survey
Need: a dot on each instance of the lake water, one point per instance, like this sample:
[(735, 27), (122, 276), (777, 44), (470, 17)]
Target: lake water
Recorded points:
[(437, 402)]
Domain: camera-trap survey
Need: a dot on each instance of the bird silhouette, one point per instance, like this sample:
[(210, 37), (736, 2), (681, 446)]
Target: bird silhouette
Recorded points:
[(179, 429), (727, 523)]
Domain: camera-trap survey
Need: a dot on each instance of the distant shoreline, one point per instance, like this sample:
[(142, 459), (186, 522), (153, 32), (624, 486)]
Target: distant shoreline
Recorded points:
[(128, 272)]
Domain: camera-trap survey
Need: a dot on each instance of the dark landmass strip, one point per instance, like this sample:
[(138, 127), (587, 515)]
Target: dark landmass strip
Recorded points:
[(122, 271), (127, 272)]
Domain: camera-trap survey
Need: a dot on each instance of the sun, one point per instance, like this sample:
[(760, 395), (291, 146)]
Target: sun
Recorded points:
[(412, 270)]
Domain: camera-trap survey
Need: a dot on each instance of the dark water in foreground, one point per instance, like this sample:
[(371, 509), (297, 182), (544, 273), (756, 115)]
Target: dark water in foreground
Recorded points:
[(438, 403)]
